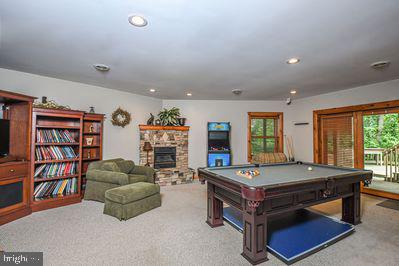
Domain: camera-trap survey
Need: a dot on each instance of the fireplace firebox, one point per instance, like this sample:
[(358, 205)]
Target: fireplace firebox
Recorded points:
[(164, 157)]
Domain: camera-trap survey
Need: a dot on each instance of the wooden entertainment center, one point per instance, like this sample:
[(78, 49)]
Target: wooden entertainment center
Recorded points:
[(14, 168), (49, 152)]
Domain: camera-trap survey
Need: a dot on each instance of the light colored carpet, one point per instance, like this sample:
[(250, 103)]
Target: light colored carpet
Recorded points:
[(176, 234)]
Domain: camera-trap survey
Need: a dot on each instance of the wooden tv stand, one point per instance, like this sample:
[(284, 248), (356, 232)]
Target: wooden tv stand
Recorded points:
[(8, 159), (14, 169)]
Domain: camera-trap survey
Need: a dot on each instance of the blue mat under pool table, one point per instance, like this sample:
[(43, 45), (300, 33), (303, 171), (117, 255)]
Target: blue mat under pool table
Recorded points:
[(295, 235)]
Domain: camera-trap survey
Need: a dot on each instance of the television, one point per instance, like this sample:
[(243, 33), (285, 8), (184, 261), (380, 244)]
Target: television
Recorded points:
[(4, 137)]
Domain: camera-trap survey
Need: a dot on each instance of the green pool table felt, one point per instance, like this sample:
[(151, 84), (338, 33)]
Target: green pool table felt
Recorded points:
[(277, 174)]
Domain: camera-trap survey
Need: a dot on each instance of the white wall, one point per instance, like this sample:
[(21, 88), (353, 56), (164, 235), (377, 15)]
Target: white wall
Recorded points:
[(198, 113), (302, 110), (118, 142)]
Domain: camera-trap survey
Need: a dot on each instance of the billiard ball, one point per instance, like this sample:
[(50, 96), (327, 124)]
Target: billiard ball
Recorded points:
[(310, 168)]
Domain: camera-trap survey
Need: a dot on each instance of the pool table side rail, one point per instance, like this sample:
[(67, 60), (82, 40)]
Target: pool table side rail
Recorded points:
[(356, 175)]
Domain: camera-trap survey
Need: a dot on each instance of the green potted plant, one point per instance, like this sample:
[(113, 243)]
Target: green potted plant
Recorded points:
[(169, 117)]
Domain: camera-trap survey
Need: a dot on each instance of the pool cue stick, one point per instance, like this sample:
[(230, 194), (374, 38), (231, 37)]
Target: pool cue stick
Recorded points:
[(292, 148), (288, 146)]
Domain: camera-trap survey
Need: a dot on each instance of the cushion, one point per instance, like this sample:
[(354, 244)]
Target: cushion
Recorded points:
[(137, 178), (269, 158), (110, 166), (98, 165), (132, 192), (125, 166)]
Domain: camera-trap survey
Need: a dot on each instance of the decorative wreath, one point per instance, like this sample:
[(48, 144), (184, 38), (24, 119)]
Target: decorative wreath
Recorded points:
[(121, 118)]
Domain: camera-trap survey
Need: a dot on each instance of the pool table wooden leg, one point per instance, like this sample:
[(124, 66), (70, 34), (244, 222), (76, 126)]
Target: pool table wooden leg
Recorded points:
[(351, 206), (215, 208), (255, 235)]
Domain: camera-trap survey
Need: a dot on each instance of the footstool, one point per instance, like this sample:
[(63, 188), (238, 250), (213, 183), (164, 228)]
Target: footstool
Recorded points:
[(131, 200)]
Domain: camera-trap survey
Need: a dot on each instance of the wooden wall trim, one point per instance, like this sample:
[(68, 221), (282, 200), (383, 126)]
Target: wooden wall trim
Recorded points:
[(265, 114), (316, 138), (360, 107)]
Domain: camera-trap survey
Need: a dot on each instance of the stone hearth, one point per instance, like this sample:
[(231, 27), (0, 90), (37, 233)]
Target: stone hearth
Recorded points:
[(167, 136)]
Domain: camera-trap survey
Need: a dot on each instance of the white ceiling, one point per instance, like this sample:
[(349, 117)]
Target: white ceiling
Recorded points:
[(206, 47)]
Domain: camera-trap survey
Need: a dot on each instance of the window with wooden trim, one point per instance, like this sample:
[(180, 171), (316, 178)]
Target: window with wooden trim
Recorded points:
[(265, 133)]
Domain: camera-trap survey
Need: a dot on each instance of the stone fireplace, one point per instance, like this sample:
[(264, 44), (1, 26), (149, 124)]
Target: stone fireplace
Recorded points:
[(169, 156)]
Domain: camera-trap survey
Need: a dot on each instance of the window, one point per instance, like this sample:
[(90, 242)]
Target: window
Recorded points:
[(265, 133)]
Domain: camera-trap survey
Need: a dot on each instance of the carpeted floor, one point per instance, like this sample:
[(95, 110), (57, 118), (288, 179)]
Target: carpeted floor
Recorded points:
[(176, 234)]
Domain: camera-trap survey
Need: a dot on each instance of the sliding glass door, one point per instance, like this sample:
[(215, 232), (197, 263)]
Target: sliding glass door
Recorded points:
[(381, 150), (361, 136)]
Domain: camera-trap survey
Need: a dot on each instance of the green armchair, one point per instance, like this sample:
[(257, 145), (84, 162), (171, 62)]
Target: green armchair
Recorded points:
[(104, 175)]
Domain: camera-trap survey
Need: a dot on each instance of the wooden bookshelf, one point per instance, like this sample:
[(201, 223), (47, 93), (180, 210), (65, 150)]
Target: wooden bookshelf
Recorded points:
[(56, 123), (48, 203), (41, 179), (57, 127), (92, 146), (58, 161), (57, 144)]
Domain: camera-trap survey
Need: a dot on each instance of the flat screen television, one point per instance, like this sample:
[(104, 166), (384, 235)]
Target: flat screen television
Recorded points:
[(4, 137)]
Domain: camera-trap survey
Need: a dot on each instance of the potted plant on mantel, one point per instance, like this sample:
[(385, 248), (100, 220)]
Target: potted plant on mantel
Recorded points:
[(171, 117)]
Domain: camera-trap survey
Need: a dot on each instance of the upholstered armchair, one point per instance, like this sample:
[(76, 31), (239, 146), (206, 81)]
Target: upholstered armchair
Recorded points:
[(104, 175)]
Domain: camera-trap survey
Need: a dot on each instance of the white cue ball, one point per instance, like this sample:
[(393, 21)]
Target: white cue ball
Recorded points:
[(310, 168)]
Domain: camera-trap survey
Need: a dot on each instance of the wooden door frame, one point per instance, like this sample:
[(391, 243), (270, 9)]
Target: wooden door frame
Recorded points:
[(358, 112)]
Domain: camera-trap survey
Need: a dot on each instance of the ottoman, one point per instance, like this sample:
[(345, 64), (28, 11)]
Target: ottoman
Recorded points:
[(131, 200)]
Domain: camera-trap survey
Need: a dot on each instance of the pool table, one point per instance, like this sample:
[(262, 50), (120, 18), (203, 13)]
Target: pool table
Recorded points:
[(278, 188)]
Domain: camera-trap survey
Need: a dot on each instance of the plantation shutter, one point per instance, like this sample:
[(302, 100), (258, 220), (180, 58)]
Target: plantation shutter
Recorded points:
[(337, 147)]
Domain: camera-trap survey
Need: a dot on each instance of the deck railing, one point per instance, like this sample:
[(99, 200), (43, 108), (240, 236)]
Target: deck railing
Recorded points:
[(391, 161)]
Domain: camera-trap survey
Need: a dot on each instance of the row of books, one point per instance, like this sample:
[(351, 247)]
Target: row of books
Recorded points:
[(54, 153), (56, 169), (54, 136), (57, 188)]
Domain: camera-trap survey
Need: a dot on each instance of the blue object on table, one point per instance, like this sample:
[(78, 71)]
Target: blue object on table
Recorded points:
[(295, 235)]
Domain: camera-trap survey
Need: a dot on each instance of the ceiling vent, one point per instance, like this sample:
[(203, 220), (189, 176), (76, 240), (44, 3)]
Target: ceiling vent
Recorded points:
[(380, 65), (236, 92), (101, 67)]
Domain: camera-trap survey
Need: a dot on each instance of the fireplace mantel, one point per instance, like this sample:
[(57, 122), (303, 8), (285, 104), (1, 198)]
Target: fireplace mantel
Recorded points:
[(176, 128)]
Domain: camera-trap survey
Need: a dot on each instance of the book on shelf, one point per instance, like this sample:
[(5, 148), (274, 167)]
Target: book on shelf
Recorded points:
[(56, 169), (54, 153), (54, 136), (53, 189)]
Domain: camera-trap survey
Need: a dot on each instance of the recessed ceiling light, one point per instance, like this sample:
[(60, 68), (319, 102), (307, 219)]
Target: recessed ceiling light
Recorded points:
[(153, 90), (293, 60), (236, 91), (380, 64), (137, 21), (293, 91), (101, 67), (189, 94)]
